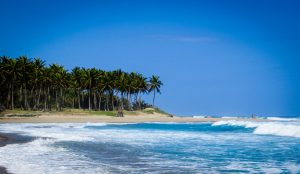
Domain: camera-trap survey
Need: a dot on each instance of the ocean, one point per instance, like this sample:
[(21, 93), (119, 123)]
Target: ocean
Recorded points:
[(220, 147)]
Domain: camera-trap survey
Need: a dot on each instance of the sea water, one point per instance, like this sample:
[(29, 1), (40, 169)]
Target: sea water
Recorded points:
[(220, 147)]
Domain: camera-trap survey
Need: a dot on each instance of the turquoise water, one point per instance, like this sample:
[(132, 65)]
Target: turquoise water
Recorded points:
[(221, 147)]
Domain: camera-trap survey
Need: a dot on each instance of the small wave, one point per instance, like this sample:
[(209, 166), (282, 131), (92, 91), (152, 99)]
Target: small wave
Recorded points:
[(95, 124), (266, 128), (246, 124)]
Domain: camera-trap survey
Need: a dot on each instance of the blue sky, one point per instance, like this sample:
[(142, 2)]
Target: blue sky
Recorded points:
[(215, 57)]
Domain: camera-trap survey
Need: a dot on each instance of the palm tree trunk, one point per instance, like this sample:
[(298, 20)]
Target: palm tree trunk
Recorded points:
[(21, 97), (136, 100), (95, 101), (127, 95), (8, 96), (153, 99), (122, 96), (45, 99), (61, 100), (99, 102), (49, 99), (82, 98), (112, 100), (56, 100), (78, 95), (107, 109), (128, 100), (39, 96), (33, 98), (12, 96), (25, 98), (89, 99), (140, 105)]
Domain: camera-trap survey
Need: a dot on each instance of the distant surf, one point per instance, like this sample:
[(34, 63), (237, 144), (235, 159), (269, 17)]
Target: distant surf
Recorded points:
[(200, 116), (291, 129), (283, 119)]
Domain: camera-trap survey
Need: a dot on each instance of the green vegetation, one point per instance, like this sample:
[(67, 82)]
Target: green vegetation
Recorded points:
[(66, 111), (154, 110), (30, 85), (154, 86)]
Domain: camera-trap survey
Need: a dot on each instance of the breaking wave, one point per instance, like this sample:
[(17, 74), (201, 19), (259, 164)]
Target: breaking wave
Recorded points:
[(283, 119), (290, 129)]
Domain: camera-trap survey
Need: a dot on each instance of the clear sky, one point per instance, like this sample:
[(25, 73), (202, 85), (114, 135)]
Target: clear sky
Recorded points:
[(215, 57)]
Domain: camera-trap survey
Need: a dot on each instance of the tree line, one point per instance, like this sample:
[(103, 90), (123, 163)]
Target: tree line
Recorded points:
[(30, 84)]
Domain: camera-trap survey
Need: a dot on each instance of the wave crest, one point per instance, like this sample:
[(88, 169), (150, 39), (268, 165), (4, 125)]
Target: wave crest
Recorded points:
[(266, 128)]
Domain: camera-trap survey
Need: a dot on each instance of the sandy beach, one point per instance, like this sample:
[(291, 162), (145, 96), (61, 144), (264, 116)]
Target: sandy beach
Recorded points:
[(73, 118)]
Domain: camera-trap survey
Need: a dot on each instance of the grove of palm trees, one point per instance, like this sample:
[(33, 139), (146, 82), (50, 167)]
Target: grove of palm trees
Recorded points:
[(29, 84)]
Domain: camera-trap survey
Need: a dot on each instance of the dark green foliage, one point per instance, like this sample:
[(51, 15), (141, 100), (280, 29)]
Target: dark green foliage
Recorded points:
[(29, 84)]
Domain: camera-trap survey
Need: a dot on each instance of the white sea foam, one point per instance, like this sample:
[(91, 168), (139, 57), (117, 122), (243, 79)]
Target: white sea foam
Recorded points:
[(199, 116), (292, 167), (278, 129), (229, 117), (246, 124), (291, 129), (283, 119), (39, 156)]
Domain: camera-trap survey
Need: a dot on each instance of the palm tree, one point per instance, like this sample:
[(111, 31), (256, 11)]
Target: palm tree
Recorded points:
[(38, 68), (98, 87), (154, 86), (107, 83), (25, 69), (46, 83), (58, 74), (54, 86), (77, 82), (140, 86), (12, 71), (90, 77), (118, 80)]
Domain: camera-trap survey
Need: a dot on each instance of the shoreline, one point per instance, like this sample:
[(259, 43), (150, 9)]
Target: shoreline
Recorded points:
[(73, 118), (6, 138)]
